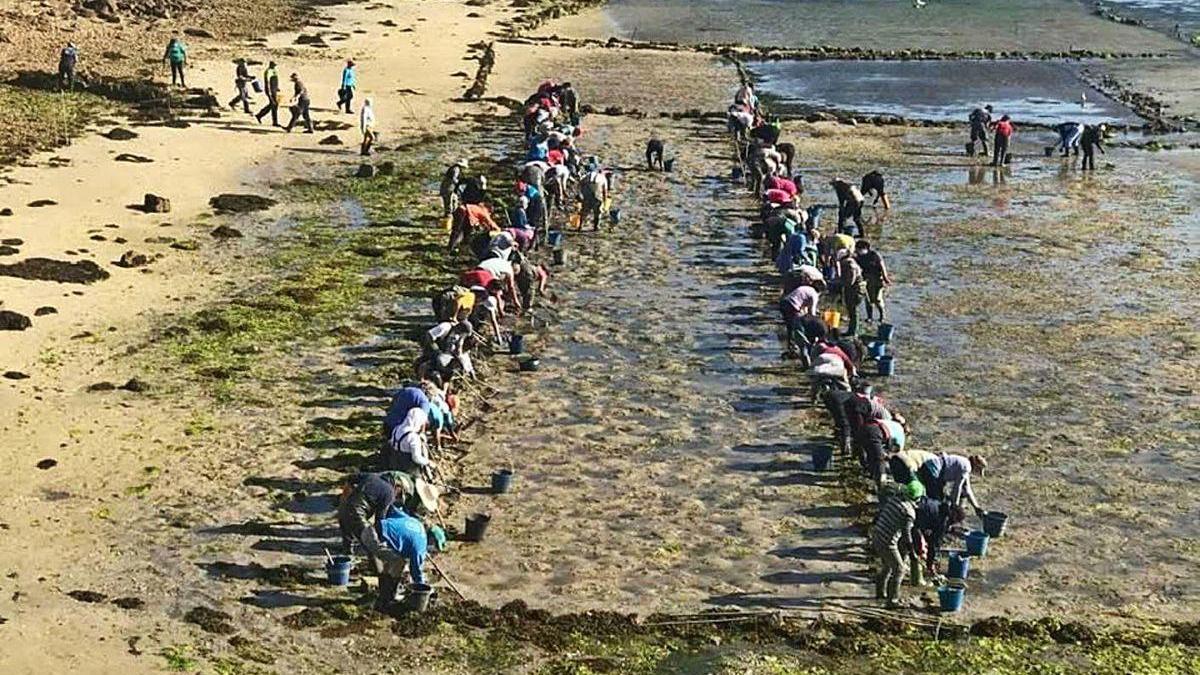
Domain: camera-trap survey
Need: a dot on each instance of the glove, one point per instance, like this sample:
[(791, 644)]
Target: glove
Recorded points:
[(439, 538), (980, 512)]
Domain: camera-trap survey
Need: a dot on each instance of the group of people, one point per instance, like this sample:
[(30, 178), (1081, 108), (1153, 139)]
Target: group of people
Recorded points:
[(921, 494), (391, 513), (300, 104), (1072, 138)]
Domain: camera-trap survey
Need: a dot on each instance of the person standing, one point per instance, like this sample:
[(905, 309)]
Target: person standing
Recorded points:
[(980, 119), (67, 60), (366, 124), (271, 85), (300, 106), (891, 532), (176, 55), (569, 100), (242, 80), (850, 276), (875, 274), (1092, 139), (349, 84), (1004, 131)]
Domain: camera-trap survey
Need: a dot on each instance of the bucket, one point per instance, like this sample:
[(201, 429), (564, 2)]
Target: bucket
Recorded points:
[(338, 571), (448, 223), (737, 173), (502, 481), (877, 350), (960, 565), (970, 149), (950, 596), (832, 318), (994, 523), (529, 365), (1049, 149), (887, 366), (477, 524), (977, 543), (516, 344), (614, 216), (554, 238), (822, 457), (669, 165), (416, 597), (560, 256), (886, 332)]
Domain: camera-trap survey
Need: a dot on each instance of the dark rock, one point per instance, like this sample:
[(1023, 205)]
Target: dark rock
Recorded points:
[(120, 134), (102, 386), (43, 311), (136, 386), (6, 211), (152, 203), (135, 159), (12, 242), (371, 251), (131, 259), (88, 596), (130, 603), (226, 232), (234, 203), (387, 168), (98, 237), (198, 32), (15, 375), (211, 620), (177, 123), (38, 203), (330, 140), (10, 320), (365, 171), (9, 250), (46, 464), (186, 245)]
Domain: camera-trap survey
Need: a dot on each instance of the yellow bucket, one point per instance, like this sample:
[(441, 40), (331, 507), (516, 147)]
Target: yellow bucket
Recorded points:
[(448, 223), (575, 220), (832, 318)]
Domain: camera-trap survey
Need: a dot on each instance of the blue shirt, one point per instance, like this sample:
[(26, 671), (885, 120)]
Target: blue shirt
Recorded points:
[(349, 79), (406, 399), (406, 534), (519, 218)]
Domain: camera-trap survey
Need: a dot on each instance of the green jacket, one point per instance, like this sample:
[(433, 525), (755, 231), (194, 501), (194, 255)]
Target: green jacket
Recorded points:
[(176, 51)]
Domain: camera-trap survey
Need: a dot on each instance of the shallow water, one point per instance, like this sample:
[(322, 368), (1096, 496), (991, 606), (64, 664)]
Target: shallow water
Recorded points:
[(1164, 14), (1041, 92)]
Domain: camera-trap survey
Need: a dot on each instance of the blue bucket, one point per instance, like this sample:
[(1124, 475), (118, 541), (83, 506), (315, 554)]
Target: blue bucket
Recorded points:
[(737, 173), (877, 350), (516, 344), (338, 570), (887, 366), (977, 543), (822, 457), (502, 481), (960, 565), (950, 596), (886, 331), (554, 238), (614, 216)]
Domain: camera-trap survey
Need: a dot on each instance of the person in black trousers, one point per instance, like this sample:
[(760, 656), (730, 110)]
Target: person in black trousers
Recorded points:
[(271, 85), (242, 80), (300, 106), (1092, 139)]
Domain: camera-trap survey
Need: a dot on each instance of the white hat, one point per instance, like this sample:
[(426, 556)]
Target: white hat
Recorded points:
[(428, 494)]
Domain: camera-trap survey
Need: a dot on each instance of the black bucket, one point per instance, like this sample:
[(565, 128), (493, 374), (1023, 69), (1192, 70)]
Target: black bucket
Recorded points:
[(477, 524), (970, 149), (416, 597), (669, 165), (1049, 149), (994, 523), (502, 481), (529, 365), (560, 257)]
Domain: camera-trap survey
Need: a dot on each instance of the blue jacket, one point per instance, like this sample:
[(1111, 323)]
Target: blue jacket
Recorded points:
[(406, 399), (406, 534), (349, 78)]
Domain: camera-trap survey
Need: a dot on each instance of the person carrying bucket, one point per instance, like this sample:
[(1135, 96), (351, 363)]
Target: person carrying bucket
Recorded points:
[(890, 534)]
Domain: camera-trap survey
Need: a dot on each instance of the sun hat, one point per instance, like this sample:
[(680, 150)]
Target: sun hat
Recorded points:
[(428, 494)]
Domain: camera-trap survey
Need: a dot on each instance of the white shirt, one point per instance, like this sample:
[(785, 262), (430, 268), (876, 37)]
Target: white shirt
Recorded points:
[(501, 269), (366, 118)]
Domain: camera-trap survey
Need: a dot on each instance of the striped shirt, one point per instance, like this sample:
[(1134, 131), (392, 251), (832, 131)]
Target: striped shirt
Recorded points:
[(894, 519)]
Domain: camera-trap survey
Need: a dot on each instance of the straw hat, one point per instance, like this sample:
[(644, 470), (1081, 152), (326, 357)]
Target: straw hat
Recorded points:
[(428, 495)]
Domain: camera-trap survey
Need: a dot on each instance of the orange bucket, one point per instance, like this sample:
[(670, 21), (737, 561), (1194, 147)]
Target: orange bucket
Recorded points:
[(832, 318)]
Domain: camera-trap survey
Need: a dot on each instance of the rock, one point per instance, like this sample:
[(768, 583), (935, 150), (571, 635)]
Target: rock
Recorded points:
[(131, 259), (177, 123), (226, 232), (387, 168), (186, 245), (98, 237), (120, 134), (6, 211), (10, 320), (135, 159), (371, 251), (102, 386), (152, 203), (198, 32), (235, 203), (211, 620), (38, 203), (330, 140), (365, 171), (48, 463), (88, 596), (130, 603), (15, 375), (47, 269), (44, 311), (135, 385), (9, 250), (12, 242)]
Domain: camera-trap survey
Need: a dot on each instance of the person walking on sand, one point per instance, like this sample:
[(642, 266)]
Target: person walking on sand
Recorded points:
[(271, 86), (68, 59), (1004, 131), (1092, 139), (176, 56), (366, 124), (300, 106), (875, 274), (242, 80), (980, 120), (346, 91)]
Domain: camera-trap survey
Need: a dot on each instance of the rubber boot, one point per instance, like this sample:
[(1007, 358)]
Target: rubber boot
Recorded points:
[(387, 592)]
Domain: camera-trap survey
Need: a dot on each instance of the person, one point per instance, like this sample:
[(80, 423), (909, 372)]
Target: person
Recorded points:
[(408, 397), (892, 533), (654, 154), (502, 271), (1068, 137), (1092, 139), (470, 218), (594, 191), (474, 190), (68, 59), (346, 91), (746, 97), (300, 106), (366, 124), (271, 87), (875, 439), (835, 402), (935, 518), (451, 186), (875, 274), (850, 203), (903, 465), (873, 183), (406, 449), (850, 278), (802, 301), (176, 56), (569, 99), (1004, 131), (242, 80), (953, 472), (404, 534), (980, 120), (366, 497)]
